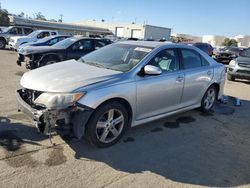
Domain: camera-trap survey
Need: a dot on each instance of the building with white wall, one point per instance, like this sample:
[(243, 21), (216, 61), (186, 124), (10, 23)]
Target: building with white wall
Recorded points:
[(123, 30), (64, 28), (188, 38), (243, 40), (214, 40)]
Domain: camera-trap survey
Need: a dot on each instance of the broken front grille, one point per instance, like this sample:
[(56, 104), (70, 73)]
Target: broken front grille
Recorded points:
[(29, 96)]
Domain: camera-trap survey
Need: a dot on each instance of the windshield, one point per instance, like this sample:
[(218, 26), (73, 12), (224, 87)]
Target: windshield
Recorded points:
[(65, 43), (119, 57), (33, 34), (245, 53), (232, 49), (43, 40)]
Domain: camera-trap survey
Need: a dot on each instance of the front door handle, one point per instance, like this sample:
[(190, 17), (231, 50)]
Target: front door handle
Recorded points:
[(179, 78)]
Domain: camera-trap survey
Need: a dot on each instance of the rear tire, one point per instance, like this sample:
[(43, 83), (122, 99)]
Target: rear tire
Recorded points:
[(2, 44), (209, 99), (230, 77), (107, 125)]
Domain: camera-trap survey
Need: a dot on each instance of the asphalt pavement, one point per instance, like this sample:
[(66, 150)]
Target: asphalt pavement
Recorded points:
[(185, 150)]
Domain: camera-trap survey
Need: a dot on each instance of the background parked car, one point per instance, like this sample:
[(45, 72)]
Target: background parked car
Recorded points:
[(16, 41), (47, 41), (240, 67), (13, 31), (226, 54), (205, 47), (70, 48)]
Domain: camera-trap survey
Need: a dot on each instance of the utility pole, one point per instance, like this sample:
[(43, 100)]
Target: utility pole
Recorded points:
[(61, 17)]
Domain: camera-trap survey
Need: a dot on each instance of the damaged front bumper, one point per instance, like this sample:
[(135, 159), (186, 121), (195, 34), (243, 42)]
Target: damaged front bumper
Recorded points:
[(73, 117)]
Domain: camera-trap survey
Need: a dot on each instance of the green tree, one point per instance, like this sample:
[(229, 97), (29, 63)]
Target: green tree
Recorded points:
[(21, 15), (40, 16), (230, 42), (4, 18)]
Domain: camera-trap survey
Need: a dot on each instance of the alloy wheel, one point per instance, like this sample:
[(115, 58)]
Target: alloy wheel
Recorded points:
[(109, 126), (209, 99)]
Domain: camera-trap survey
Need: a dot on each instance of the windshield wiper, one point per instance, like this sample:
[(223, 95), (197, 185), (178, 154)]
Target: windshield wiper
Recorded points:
[(93, 64)]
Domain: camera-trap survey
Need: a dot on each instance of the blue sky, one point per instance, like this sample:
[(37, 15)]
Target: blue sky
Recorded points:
[(197, 17)]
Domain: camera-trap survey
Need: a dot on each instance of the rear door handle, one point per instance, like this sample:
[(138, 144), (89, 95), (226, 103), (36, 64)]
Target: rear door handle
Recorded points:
[(179, 78), (209, 73)]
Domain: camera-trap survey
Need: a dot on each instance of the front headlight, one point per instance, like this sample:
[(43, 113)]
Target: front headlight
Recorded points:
[(58, 100), (232, 63)]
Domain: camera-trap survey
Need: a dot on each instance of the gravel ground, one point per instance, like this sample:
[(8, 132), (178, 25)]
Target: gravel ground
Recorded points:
[(185, 150)]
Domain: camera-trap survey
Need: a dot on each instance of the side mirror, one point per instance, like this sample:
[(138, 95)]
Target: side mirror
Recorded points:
[(152, 70)]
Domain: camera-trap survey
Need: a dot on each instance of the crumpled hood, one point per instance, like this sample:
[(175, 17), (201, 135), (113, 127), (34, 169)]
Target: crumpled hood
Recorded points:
[(65, 76), (25, 50), (245, 60)]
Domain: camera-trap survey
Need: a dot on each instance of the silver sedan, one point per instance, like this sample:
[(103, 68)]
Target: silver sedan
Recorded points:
[(120, 86)]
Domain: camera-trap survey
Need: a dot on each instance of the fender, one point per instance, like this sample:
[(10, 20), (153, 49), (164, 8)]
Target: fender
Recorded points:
[(2, 38), (47, 55)]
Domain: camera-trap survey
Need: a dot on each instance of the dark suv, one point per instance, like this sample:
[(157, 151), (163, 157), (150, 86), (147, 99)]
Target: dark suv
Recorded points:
[(227, 54), (205, 47), (70, 48), (13, 31)]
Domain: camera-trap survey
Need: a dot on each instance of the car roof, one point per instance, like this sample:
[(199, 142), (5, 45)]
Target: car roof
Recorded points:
[(156, 44), (92, 38)]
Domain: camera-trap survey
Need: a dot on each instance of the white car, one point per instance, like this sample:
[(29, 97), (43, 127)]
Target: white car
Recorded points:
[(17, 41)]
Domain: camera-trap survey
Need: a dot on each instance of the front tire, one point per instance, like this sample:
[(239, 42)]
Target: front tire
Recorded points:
[(107, 125), (230, 77), (48, 61), (209, 99), (2, 44)]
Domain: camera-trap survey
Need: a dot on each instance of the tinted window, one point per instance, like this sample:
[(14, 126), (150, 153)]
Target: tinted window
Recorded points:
[(99, 44), (166, 60), (204, 62), (245, 53), (191, 59), (43, 34), (52, 41), (27, 31), (53, 33), (82, 45), (16, 31)]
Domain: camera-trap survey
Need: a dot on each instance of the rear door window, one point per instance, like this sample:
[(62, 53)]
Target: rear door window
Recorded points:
[(16, 31), (27, 31), (85, 44), (99, 44), (43, 34), (191, 59)]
